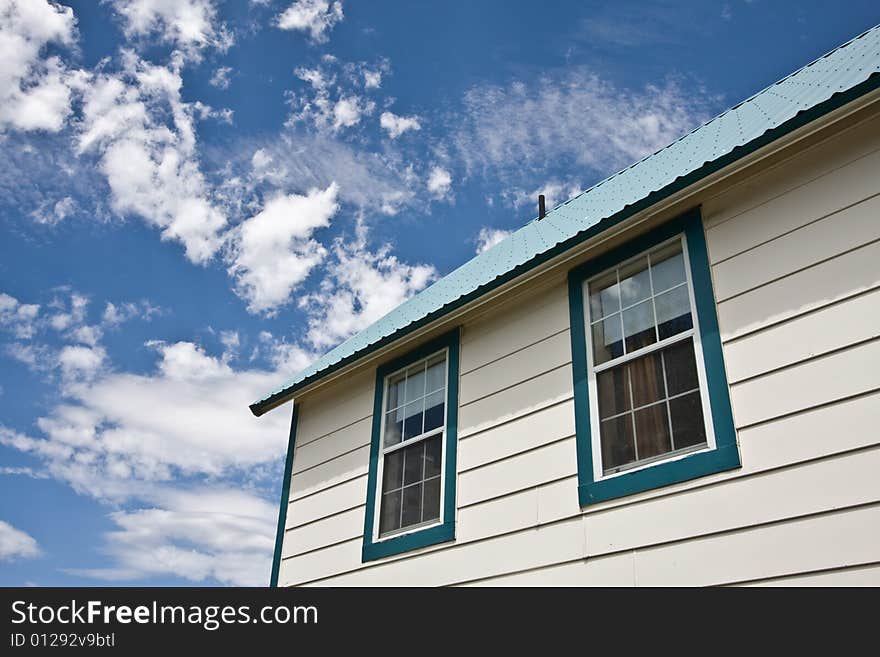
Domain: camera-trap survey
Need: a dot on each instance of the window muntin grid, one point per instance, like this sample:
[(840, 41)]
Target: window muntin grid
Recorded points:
[(641, 312), (639, 303), (413, 429)]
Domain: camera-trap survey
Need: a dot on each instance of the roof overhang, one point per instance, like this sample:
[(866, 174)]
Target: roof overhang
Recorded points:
[(837, 107)]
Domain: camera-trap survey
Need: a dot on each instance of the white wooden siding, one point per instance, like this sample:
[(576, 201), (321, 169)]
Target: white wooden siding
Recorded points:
[(795, 254)]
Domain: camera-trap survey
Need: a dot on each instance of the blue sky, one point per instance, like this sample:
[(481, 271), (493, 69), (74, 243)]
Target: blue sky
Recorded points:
[(201, 196)]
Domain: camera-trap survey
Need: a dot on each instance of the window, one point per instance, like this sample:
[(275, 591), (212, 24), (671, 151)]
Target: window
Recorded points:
[(652, 406), (411, 483)]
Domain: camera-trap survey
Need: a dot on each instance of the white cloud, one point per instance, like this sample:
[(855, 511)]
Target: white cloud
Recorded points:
[(35, 93), (347, 112), (554, 193), (489, 237), (297, 162), (273, 251), (225, 535), (15, 543), (372, 79), (53, 213), (70, 313), (189, 25), (180, 456), (260, 159), (118, 313), (361, 287), (397, 125), (151, 164), (107, 438), (572, 119), (330, 107), (78, 362), (221, 76), (313, 16), (439, 182), (17, 317)]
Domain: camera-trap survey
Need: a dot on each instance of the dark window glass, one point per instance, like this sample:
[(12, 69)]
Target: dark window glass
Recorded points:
[(681, 368), (431, 500), (434, 410), (688, 428), (392, 471), (413, 464), (433, 456), (652, 431), (390, 515), (617, 442), (412, 424), (412, 505), (613, 387), (646, 375)]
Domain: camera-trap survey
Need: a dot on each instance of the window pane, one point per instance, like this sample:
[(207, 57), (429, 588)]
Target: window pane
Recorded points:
[(634, 282), (667, 267), (434, 410), (392, 471), (415, 382), (617, 442), (412, 424), (646, 375), (412, 505), (433, 455), (604, 296), (688, 428), (681, 368), (436, 376), (431, 500), (613, 391), (638, 326), (412, 464), (652, 431), (673, 312), (395, 392), (607, 340), (389, 517), (393, 427)]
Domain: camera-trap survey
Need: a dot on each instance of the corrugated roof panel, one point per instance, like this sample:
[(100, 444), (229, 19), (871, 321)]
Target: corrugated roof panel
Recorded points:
[(840, 70)]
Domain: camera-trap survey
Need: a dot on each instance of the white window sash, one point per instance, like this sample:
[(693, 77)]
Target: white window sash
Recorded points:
[(383, 451), (592, 370)]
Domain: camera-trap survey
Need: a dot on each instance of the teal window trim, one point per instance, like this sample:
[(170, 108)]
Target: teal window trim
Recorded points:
[(285, 499), (434, 534), (725, 456)]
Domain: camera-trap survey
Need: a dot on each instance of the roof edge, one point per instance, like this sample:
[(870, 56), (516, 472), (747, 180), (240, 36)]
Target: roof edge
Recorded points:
[(799, 120)]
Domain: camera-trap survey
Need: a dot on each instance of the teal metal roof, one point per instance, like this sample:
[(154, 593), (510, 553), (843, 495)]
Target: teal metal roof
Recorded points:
[(847, 72)]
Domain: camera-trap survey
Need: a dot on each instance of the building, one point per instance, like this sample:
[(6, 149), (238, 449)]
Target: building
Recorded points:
[(671, 379)]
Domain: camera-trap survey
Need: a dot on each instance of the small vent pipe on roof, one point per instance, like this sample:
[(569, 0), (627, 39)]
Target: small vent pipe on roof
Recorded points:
[(542, 210)]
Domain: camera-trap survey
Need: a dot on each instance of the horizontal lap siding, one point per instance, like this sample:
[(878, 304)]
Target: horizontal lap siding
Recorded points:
[(516, 456), (795, 255)]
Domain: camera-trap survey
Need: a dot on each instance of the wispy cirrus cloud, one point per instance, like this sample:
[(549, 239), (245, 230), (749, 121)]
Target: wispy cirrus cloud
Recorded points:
[(572, 119)]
